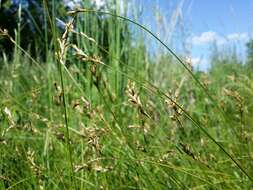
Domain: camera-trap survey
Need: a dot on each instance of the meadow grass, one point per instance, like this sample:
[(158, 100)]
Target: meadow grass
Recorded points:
[(111, 117)]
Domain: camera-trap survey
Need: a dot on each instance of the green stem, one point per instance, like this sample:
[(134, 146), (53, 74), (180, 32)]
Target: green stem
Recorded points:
[(67, 125), (190, 72)]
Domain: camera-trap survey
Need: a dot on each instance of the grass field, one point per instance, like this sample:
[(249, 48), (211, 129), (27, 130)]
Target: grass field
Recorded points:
[(94, 117)]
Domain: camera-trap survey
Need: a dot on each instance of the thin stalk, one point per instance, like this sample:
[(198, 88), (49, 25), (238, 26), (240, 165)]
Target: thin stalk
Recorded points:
[(61, 51), (190, 72), (66, 123), (45, 13), (160, 41), (198, 125)]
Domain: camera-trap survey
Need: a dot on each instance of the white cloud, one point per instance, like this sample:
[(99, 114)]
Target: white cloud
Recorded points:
[(110, 4), (99, 3), (199, 63), (72, 4), (237, 36), (193, 60), (196, 61), (207, 38)]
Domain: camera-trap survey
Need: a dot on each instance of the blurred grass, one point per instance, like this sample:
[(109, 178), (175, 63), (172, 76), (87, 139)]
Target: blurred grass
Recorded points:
[(123, 132)]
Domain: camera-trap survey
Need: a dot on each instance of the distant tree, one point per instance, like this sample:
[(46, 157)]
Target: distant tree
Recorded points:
[(35, 23), (250, 53), (30, 20)]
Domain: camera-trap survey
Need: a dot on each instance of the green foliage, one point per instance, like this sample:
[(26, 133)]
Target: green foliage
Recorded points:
[(114, 145), (250, 54)]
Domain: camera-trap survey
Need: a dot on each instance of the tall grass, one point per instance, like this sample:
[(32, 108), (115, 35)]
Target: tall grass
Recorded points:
[(108, 116)]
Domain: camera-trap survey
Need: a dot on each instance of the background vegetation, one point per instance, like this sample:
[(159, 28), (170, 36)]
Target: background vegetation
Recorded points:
[(88, 106)]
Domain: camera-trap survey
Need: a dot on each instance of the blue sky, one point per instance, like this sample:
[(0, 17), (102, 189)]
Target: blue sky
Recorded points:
[(223, 16), (228, 23)]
